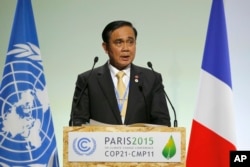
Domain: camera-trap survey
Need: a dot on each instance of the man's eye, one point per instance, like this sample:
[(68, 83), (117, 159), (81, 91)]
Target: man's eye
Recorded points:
[(118, 43), (131, 41)]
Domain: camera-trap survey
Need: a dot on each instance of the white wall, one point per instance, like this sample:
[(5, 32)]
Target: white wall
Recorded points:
[(171, 36), (237, 13)]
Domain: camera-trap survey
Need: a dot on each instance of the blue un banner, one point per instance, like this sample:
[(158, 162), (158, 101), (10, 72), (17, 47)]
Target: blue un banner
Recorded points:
[(26, 128)]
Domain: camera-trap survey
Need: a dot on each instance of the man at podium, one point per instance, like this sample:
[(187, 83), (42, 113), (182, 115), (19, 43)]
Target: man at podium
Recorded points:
[(119, 92)]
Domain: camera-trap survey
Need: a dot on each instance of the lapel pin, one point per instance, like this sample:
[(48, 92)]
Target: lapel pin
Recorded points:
[(136, 78)]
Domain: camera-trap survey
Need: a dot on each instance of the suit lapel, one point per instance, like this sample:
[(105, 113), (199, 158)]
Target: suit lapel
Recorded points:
[(107, 86), (134, 91)]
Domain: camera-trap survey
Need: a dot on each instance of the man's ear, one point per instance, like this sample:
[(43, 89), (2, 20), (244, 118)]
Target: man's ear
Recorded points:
[(105, 47)]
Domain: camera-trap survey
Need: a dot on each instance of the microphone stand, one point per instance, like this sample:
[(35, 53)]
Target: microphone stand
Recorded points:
[(175, 118), (84, 88)]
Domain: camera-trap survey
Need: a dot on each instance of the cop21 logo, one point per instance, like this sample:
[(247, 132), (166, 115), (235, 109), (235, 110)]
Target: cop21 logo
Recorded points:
[(84, 146)]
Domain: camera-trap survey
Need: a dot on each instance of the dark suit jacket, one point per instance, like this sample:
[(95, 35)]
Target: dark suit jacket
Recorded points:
[(146, 99)]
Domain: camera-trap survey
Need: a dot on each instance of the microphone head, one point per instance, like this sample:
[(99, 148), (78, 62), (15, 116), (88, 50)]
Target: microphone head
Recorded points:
[(96, 59), (140, 87), (150, 64)]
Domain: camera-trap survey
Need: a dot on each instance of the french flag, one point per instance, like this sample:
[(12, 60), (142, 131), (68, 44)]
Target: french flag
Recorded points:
[(213, 134)]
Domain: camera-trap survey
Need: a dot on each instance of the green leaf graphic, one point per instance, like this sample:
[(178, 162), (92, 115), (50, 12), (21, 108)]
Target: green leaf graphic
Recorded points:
[(170, 149)]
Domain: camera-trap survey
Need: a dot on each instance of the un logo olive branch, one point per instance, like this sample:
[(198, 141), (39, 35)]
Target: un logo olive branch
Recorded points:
[(27, 50)]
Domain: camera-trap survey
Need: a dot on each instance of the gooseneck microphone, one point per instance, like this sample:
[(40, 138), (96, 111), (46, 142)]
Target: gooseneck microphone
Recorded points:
[(86, 83), (83, 89), (175, 119), (145, 101)]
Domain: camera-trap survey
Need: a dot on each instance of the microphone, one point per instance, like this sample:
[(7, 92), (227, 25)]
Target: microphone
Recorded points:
[(84, 88), (175, 119), (86, 83), (145, 101)]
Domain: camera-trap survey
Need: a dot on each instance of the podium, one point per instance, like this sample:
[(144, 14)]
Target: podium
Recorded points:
[(134, 146)]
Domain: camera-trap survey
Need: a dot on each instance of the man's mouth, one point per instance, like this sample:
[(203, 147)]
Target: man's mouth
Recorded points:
[(125, 58)]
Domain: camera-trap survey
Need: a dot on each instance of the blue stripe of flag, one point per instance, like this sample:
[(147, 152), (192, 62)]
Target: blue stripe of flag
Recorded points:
[(24, 27), (216, 55)]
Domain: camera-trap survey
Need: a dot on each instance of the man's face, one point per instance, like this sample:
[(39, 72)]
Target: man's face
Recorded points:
[(121, 47)]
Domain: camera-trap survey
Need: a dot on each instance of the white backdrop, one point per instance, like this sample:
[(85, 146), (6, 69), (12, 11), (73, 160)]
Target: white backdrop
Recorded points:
[(171, 36)]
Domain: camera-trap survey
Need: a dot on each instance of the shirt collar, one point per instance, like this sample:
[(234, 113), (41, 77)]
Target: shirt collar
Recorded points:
[(114, 70)]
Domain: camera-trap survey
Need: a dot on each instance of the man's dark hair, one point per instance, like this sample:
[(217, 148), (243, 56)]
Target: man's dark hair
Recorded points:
[(113, 26)]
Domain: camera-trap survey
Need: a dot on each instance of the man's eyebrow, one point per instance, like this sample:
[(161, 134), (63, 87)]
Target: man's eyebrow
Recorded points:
[(121, 39), (118, 39), (131, 38)]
